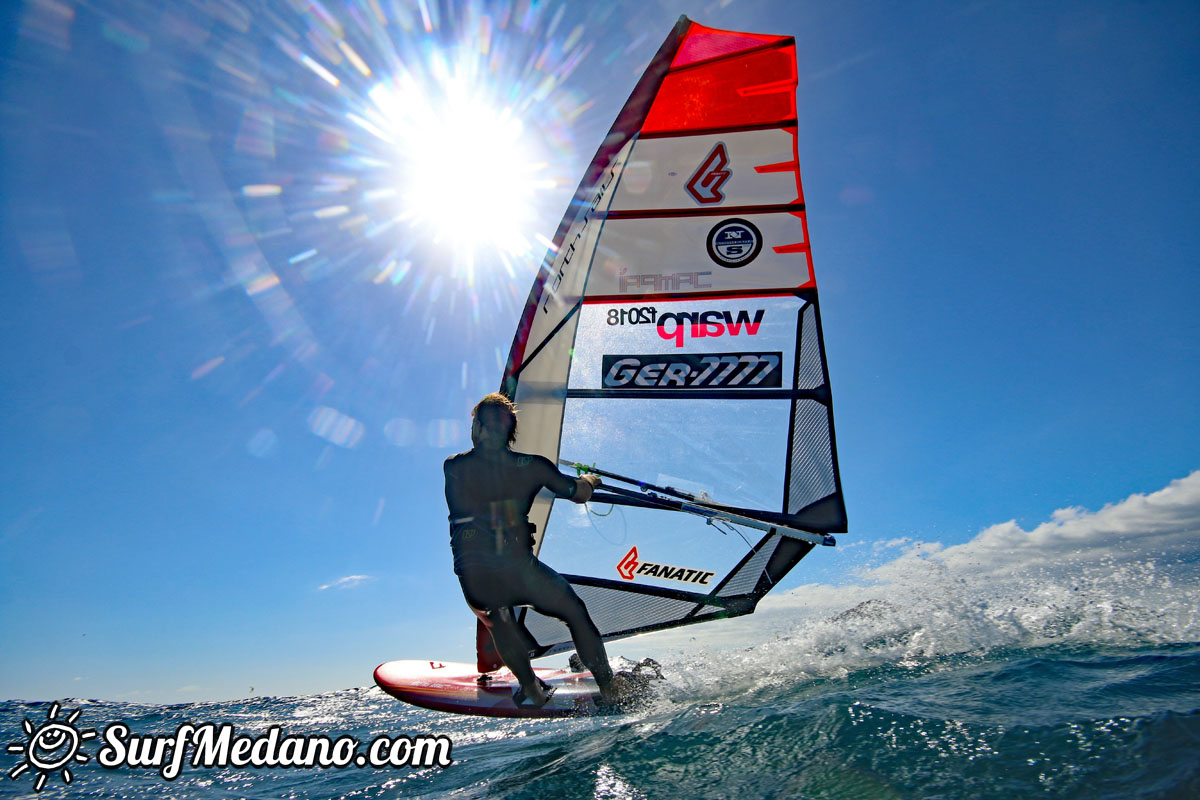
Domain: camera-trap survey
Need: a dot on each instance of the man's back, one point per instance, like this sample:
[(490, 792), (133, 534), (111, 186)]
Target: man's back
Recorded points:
[(496, 488)]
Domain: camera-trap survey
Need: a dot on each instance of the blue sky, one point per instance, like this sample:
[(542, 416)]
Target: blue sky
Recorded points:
[(205, 489)]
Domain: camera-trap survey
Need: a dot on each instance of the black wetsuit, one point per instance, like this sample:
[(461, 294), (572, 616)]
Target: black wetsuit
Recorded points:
[(489, 494)]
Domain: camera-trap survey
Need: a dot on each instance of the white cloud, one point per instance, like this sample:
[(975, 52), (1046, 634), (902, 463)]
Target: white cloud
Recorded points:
[(1162, 525), (348, 582)]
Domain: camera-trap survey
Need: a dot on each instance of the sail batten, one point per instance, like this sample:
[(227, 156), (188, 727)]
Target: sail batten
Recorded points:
[(659, 213), (673, 332)]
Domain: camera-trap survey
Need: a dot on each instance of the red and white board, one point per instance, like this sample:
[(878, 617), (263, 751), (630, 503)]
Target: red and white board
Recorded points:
[(448, 686)]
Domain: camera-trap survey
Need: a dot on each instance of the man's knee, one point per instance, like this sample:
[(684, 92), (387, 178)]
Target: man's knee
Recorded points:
[(573, 612), (485, 616), (491, 617)]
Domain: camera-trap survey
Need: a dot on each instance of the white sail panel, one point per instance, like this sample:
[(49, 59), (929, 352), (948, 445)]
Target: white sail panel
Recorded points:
[(760, 167), (695, 255), (676, 332)]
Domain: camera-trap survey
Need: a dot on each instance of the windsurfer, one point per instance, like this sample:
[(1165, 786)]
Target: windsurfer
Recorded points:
[(489, 491)]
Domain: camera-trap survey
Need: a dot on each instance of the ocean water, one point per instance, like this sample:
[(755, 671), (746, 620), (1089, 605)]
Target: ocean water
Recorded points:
[(930, 687)]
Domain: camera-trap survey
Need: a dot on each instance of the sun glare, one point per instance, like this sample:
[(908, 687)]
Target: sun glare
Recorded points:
[(466, 173)]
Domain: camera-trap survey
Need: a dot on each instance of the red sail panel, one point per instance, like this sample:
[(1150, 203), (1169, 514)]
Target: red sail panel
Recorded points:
[(703, 43), (755, 89)]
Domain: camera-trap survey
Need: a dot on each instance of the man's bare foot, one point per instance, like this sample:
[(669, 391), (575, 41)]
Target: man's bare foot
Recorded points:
[(624, 688), (536, 695)]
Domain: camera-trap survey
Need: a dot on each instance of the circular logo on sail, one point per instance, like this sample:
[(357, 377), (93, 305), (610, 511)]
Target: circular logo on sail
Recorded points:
[(734, 243)]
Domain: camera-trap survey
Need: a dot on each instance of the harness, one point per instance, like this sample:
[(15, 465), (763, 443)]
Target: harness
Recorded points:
[(479, 546)]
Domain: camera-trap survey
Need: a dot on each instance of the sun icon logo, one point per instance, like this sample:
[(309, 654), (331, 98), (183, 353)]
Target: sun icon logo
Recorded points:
[(52, 746)]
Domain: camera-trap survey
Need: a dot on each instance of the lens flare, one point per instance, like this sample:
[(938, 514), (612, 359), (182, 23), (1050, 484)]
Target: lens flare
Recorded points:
[(342, 183)]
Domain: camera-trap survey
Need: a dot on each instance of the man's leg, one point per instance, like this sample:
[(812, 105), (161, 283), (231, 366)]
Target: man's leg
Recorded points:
[(486, 595), (551, 594), (510, 644)]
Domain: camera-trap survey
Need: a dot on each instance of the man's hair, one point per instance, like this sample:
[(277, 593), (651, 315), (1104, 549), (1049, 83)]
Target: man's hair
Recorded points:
[(496, 409)]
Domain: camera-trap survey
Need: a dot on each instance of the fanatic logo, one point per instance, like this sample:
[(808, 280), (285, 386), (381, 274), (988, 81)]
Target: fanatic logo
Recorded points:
[(705, 184), (630, 567), (628, 564)]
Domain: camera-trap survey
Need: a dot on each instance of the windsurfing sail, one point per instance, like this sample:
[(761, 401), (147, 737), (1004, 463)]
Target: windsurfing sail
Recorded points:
[(673, 335)]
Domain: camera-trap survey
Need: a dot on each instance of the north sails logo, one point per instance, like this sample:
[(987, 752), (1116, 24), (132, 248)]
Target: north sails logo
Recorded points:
[(705, 184), (629, 567), (734, 243)]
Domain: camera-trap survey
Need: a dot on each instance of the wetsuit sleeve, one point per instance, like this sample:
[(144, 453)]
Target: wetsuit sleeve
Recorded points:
[(455, 501), (555, 481)]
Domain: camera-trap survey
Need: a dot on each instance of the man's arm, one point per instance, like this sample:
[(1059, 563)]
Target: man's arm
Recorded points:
[(577, 490), (454, 499)]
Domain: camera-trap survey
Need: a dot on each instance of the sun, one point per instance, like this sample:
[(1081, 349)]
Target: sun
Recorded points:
[(52, 746), (466, 171)]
